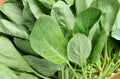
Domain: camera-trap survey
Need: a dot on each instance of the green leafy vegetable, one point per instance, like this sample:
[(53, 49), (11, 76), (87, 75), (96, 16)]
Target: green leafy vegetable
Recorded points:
[(24, 45), (12, 29), (47, 3), (62, 14), (13, 12), (109, 13), (27, 76), (116, 34), (35, 8), (59, 39), (84, 21), (28, 16), (79, 49), (80, 6), (6, 73), (11, 57), (69, 2), (43, 66), (52, 44)]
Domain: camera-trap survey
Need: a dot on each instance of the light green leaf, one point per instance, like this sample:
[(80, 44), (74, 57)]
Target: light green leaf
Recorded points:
[(13, 12), (35, 8), (85, 20), (42, 66), (62, 14), (79, 49), (69, 2), (27, 76), (48, 41), (88, 2), (6, 73), (12, 29), (116, 34), (11, 57), (47, 3), (24, 45), (80, 6)]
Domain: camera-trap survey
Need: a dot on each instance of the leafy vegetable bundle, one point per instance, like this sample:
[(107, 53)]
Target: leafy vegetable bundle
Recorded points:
[(59, 39)]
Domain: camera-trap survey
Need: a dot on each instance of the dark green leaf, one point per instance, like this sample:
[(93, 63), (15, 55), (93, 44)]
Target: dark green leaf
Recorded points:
[(85, 20), (28, 16), (24, 45), (109, 10), (42, 66), (95, 55), (110, 44), (79, 49), (48, 41)]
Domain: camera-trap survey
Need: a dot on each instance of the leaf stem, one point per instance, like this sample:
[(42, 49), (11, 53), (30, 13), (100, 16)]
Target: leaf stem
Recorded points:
[(84, 71), (72, 70), (62, 68)]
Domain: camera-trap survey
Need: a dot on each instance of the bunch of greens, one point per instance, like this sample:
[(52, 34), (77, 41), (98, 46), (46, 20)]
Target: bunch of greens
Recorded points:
[(59, 39)]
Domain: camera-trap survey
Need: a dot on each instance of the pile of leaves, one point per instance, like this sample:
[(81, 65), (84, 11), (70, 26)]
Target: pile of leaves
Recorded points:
[(59, 39)]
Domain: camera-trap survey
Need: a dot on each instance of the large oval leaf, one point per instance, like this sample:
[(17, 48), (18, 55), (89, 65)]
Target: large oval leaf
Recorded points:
[(12, 29), (79, 49), (48, 41), (63, 15), (85, 20), (6, 73), (13, 12)]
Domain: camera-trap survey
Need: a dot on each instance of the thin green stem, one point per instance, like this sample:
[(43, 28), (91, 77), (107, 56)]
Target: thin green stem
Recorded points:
[(98, 64), (105, 57), (90, 74), (72, 70), (83, 72), (62, 71)]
